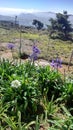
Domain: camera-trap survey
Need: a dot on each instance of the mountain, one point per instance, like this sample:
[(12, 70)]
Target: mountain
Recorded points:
[(6, 18), (27, 18)]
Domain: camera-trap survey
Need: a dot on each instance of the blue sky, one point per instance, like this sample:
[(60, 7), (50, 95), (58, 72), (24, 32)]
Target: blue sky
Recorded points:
[(18, 6)]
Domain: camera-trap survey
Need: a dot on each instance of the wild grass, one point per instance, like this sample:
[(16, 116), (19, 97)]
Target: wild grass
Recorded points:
[(47, 46)]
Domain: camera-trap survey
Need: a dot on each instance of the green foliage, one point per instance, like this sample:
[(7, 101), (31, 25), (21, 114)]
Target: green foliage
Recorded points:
[(68, 93), (51, 108), (62, 123), (61, 25), (27, 91), (50, 82), (38, 24), (12, 125), (22, 97)]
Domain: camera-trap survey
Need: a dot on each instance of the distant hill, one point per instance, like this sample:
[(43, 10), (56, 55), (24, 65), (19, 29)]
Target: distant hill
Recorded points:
[(27, 18), (6, 18)]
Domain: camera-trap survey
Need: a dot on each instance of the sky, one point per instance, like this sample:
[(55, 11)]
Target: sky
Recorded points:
[(11, 7)]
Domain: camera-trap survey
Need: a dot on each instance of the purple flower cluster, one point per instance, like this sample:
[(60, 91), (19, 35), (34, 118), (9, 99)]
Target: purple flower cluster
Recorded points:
[(56, 63), (35, 52), (10, 46)]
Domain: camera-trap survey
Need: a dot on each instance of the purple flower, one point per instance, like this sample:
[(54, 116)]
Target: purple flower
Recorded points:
[(10, 46), (56, 63), (53, 63), (33, 56), (35, 50)]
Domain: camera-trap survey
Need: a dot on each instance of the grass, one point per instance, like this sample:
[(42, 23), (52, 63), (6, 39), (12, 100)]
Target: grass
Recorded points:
[(50, 48)]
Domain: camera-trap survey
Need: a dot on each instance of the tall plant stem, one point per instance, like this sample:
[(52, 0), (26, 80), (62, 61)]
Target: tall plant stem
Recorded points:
[(20, 46)]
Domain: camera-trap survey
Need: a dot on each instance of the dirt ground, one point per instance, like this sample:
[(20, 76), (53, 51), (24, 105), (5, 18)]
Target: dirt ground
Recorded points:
[(7, 54)]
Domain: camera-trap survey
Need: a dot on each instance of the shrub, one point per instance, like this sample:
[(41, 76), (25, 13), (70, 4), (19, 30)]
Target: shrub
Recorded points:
[(50, 82)]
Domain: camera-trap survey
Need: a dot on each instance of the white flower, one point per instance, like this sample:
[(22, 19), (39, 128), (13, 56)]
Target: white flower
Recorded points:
[(15, 84)]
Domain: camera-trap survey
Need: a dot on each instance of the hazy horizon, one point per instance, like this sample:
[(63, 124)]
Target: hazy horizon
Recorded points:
[(15, 7)]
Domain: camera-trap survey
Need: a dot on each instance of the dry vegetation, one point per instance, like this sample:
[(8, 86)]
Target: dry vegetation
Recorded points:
[(50, 48)]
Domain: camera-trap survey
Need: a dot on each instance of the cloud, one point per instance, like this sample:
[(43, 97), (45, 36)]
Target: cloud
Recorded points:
[(12, 11)]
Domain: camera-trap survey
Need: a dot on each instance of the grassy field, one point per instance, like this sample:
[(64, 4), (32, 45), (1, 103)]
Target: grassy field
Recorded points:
[(50, 48)]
